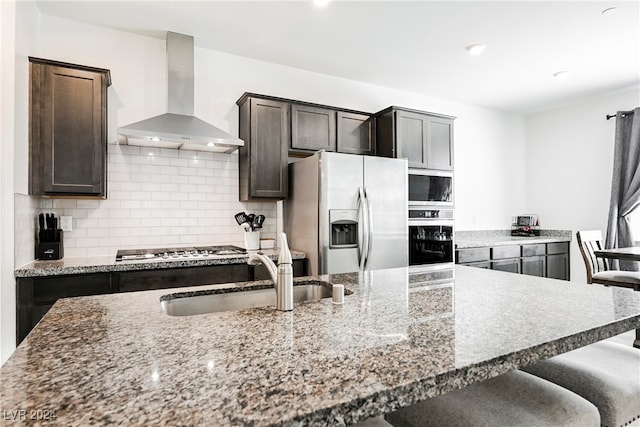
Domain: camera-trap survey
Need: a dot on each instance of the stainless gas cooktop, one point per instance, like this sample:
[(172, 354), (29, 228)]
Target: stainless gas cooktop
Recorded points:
[(175, 254)]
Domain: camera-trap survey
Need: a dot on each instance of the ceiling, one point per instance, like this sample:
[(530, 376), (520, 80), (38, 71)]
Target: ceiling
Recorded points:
[(415, 46)]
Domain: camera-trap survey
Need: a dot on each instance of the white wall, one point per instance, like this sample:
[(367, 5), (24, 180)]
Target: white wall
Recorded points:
[(569, 162), (19, 23)]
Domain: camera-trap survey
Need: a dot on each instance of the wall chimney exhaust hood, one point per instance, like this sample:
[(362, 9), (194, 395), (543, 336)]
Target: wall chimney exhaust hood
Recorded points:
[(179, 128)]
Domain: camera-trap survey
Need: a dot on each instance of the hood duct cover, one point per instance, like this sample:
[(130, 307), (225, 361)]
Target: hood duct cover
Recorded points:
[(179, 128)]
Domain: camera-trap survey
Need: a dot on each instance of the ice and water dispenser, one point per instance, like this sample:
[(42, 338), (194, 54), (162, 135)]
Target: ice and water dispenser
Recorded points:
[(344, 228)]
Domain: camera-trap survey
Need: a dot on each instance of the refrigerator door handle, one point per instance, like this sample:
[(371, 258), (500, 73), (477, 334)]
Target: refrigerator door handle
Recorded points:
[(362, 228), (369, 225)]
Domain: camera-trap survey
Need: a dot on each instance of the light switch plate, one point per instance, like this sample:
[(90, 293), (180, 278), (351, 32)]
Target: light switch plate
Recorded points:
[(66, 223)]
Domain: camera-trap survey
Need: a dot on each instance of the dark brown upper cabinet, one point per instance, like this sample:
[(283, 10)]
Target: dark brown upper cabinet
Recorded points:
[(68, 129), (265, 126), (424, 139), (312, 128), (355, 133)]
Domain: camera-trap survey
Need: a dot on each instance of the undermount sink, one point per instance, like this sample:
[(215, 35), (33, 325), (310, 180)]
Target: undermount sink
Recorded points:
[(202, 302)]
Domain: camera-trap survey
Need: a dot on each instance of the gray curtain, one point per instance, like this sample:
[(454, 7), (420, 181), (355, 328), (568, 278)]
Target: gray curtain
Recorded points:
[(625, 186)]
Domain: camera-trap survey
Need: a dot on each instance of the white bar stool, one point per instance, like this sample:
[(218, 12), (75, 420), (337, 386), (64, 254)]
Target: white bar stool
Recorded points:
[(512, 399), (606, 373)]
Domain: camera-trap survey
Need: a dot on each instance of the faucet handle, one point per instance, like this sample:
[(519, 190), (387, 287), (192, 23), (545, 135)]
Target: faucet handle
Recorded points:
[(285, 254)]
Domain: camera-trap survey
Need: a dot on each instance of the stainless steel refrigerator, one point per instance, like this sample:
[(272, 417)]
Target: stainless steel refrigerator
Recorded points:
[(348, 212)]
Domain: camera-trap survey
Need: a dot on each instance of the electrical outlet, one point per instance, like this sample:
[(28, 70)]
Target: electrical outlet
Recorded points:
[(65, 223)]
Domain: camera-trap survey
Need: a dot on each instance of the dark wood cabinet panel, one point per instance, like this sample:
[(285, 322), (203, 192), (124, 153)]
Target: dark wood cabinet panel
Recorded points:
[(180, 277), (558, 266), (424, 139), (355, 133), (543, 260), (534, 266), (260, 272), (265, 129), (501, 252), (439, 143), (411, 137), (534, 250), (68, 138), (473, 255), (312, 128), (509, 265)]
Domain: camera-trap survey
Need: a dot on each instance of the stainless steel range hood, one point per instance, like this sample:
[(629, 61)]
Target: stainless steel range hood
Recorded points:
[(179, 128)]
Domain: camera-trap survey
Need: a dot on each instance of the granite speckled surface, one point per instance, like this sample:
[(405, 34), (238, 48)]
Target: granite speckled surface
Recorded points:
[(398, 338), (483, 238), (105, 264)]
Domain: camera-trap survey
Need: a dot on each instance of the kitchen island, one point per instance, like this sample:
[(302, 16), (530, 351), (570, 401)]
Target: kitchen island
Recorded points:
[(401, 336)]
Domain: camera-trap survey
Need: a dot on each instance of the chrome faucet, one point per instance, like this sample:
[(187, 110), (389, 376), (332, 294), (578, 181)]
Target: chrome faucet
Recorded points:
[(282, 275)]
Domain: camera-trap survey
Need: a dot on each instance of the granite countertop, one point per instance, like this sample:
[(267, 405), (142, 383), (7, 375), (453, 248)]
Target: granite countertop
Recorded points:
[(400, 337), (105, 264), (484, 238)]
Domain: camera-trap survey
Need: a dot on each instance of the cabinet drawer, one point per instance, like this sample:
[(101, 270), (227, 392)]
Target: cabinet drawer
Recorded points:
[(473, 255), (502, 252), (181, 277), (508, 265), (48, 290), (533, 250), (482, 264), (558, 248)]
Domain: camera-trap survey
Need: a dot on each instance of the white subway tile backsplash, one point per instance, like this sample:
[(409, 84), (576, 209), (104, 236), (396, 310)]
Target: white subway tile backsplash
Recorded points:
[(157, 198)]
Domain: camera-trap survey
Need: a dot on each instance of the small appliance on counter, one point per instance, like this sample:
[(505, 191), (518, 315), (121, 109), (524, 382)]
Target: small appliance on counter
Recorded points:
[(50, 238), (526, 225)]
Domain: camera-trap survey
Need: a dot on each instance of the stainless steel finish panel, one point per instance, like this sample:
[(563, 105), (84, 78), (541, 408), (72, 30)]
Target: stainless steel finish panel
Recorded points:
[(179, 128), (340, 177), (301, 214), (180, 74), (385, 182)]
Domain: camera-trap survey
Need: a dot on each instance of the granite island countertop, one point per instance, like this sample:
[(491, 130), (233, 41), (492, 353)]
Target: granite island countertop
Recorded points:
[(400, 337), (106, 264)]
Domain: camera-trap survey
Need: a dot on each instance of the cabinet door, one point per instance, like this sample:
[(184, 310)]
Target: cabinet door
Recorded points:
[(558, 266), (411, 137), (510, 265), (439, 143), (312, 128), (534, 266), (264, 126), (69, 131), (355, 133)]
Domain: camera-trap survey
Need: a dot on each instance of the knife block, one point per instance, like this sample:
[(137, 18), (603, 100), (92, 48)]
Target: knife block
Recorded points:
[(52, 250)]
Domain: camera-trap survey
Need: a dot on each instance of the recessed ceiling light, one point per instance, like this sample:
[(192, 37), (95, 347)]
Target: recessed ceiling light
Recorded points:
[(320, 3), (475, 49), (561, 75), (609, 10)]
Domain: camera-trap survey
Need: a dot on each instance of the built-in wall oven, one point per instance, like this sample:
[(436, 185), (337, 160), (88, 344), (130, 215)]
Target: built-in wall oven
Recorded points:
[(431, 236)]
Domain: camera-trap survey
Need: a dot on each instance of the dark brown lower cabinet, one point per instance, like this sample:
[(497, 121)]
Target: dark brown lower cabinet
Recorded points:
[(510, 265), (534, 266), (543, 260), (36, 295), (558, 266)]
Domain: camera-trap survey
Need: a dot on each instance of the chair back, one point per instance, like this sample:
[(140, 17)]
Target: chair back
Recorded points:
[(590, 241)]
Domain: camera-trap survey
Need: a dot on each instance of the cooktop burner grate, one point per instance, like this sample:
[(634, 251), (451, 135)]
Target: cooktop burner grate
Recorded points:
[(163, 254)]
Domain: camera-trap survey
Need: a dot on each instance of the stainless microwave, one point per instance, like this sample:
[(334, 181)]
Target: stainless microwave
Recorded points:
[(430, 188)]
